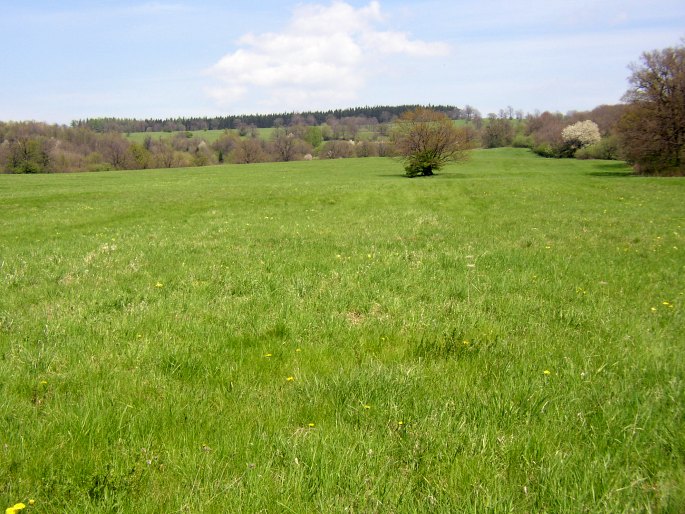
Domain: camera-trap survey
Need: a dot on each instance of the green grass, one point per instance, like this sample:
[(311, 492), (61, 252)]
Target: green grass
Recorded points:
[(506, 336)]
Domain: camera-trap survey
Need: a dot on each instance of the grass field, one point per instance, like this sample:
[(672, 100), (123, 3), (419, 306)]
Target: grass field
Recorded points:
[(329, 336)]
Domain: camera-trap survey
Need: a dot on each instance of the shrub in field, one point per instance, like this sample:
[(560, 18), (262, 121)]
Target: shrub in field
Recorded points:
[(427, 140), (545, 150)]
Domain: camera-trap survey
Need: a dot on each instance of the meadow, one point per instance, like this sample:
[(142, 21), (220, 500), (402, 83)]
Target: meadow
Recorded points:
[(329, 336)]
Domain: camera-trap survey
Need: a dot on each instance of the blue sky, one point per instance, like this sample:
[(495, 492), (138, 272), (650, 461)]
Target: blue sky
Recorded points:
[(66, 60)]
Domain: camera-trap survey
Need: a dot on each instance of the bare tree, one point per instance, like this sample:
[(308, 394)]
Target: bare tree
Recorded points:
[(284, 144), (114, 148), (248, 151), (497, 132)]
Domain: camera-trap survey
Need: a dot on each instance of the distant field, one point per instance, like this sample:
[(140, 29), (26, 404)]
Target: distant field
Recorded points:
[(265, 133), (328, 336), (207, 135)]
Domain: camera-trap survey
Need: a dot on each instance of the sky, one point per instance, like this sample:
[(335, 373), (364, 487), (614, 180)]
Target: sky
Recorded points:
[(74, 59)]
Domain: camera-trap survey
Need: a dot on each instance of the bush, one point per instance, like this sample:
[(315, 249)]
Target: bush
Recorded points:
[(366, 149), (521, 141), (545, 150), (606, 149), (337, 150)]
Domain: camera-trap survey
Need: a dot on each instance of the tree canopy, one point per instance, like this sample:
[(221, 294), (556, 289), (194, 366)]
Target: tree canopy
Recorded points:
[(653, 129)]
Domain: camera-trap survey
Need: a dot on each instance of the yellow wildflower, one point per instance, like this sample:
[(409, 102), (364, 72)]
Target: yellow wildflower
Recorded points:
[(547, 372), (14, 510), (290, 379), (311, 425), (367, 406), (32, 502), (268, 355), (159, 284)]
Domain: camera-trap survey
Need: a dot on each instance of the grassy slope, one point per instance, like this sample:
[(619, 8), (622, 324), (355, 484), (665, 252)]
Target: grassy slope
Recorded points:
[(150, 321)]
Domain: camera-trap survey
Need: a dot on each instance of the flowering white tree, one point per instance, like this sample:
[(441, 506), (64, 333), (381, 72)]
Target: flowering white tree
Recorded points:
[(581, 134)]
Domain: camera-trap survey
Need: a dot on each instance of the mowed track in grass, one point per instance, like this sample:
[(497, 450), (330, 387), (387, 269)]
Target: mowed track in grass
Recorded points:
[(329, 336)]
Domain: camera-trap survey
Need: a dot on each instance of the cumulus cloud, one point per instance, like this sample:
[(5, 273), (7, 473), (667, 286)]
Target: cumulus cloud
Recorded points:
[(323, 56)]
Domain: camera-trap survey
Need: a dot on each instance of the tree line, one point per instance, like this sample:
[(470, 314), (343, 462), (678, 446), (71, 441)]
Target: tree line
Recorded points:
[(647, 130), (31, 147), (382, 113)]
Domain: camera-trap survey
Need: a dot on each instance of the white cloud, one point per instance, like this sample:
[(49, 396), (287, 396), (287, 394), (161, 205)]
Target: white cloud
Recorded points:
[(323, 56)]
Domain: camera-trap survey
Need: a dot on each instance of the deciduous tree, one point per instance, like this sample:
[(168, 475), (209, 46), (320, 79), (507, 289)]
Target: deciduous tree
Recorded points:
[(652, 132), (497, 133), (581, 134), (427, 140)]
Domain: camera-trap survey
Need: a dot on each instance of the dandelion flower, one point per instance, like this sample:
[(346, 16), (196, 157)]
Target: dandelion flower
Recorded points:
[(159, 284), (400, 423), (547, 372), (367, 406), (268, 355), (13, 510), (311, 425), (466, 343), (290, 379)]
